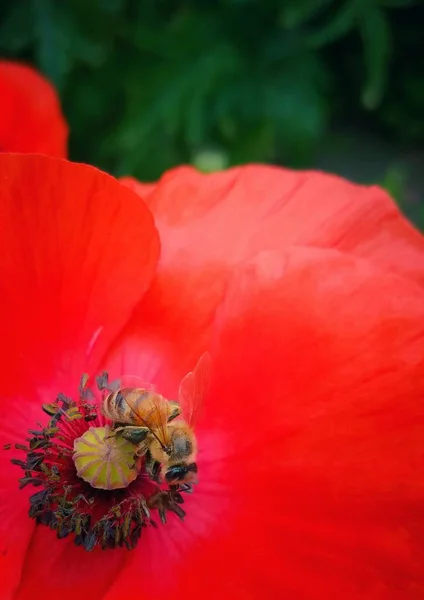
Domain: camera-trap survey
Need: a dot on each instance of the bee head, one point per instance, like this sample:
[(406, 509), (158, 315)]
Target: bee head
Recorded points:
[(186, 473)]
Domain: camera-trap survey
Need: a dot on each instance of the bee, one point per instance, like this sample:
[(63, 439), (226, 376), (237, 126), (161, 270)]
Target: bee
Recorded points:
[(148, 420)]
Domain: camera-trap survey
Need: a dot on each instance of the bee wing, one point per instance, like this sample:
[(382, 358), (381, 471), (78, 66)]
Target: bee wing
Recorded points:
[(157, 420), (193, 389), (153, 416)]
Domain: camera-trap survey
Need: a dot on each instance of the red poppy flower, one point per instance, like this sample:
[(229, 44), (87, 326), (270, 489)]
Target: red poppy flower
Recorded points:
[(31, 118), (308, 293)]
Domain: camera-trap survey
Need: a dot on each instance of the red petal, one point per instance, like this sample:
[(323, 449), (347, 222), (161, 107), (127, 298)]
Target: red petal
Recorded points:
[(171, 326), (31, 119), (78, 252), (142, 189), (316, 423), (209, 223), (16, 528), (233, 214), (59, 569)]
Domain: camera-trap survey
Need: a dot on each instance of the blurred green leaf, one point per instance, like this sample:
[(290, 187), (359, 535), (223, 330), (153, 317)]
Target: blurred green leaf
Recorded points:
[(147, 85), (52, 39), (395, 182), (296, 12), (376, 40), (399, 3), (294, 103), (59, 42), (16, 28), (343, 21)]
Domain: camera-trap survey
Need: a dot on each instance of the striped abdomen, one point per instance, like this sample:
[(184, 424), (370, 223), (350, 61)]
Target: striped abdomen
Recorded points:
[(127, 405)]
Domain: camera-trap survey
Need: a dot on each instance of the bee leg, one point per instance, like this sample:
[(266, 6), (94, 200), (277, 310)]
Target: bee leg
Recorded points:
[(185, 487), (153, 468), (141, 449), (158, 502), (176, 410), (163, 501), (132, 433), (156, 469)]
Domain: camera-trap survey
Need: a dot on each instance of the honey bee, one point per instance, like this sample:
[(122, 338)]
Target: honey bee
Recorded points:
[(148, 420)]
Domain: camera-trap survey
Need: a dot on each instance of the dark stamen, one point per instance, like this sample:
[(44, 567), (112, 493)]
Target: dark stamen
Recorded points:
[(68, 504)]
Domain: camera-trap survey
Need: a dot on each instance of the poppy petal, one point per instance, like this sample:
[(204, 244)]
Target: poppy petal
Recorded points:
[(230, 215), (142, 189), (31, 119), (64, 570), (316, 403), (78, 252), (171, 326), (210, 223), (16, 529)]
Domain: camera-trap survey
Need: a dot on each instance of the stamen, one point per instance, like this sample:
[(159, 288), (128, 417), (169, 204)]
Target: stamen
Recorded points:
[(92, 483)]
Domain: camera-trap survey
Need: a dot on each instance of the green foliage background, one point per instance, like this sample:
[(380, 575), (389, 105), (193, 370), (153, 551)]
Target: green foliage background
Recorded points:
[(147, 84)]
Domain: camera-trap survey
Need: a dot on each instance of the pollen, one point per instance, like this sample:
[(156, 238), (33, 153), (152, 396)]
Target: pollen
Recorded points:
[(104, 460)]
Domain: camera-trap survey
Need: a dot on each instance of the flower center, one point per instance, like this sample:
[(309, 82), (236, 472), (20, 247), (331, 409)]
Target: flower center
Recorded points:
[(94, 485), (104, 460)]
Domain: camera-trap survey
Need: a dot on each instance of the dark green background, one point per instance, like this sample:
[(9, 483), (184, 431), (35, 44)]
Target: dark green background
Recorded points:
[(147, 84)]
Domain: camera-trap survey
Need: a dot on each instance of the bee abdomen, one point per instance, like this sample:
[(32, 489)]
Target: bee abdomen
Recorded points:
[(124, 404), (115, 407)]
